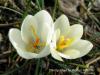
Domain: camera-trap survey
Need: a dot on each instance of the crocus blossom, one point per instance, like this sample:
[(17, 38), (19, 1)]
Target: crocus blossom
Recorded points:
[(33, 40), (66, 41)]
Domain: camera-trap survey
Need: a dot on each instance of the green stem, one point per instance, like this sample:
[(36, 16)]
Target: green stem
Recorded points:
[(37, 67), (43, 4), (54, 10), (37, 2)]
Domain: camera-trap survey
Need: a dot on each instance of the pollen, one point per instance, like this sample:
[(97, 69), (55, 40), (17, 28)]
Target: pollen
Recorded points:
[(36, 45), (36, 40), (63, 43)]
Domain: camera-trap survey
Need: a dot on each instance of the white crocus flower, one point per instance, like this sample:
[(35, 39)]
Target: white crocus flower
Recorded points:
[(67, 42), (35, 36)]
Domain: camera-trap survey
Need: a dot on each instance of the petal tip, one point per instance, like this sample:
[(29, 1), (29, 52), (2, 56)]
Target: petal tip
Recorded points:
[(11, 31), (63, 16), (43, 12), (91, 45)]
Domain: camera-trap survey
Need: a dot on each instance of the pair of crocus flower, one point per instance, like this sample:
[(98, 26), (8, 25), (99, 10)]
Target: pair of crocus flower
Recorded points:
[(40, 36)]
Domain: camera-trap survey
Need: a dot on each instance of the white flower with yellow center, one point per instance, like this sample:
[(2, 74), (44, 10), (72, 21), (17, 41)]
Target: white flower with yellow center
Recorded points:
[(35, 36), (67, 42)]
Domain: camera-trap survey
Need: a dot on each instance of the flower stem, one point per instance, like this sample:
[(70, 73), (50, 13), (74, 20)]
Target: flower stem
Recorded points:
[(54, 10), (37, 67), (38, 3)]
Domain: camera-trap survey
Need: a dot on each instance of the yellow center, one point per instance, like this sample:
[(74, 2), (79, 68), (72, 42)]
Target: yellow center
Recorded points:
[(64, 43)]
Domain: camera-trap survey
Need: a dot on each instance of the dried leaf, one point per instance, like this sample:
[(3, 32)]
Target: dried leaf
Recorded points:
[(70, 7), (97, 4)]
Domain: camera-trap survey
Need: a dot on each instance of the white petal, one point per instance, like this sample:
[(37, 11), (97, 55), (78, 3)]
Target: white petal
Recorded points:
[(45, 24), (50, 34), (20, 46), (83, 46), (44, 52), (63, 24), (43, 17), (55, 37), (45, 32), (70, 54), (54, 53), (76, 31), (77, 50), (29, 24), (57, 34)]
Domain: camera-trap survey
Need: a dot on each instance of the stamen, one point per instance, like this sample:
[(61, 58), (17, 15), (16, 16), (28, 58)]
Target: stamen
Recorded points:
[(37, 45), (37, 42), (64, 43), (34, 32)]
